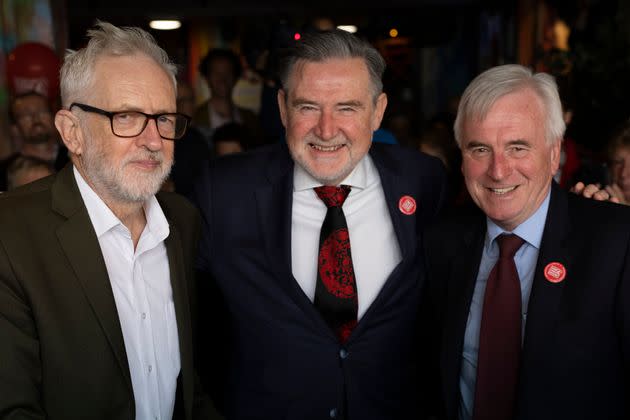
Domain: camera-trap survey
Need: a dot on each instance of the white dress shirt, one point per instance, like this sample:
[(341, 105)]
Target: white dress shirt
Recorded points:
[(140, 282), (373, 242)]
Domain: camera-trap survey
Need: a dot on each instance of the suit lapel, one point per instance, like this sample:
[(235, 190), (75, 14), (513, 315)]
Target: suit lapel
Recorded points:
[(182, 312), (545, 298), (275, 202), (394, 186), (460, 287), (80, 244)]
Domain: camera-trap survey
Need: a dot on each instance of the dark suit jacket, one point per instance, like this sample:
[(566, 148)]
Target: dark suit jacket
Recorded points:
[(575, 361), (62, 354), (284, 361)]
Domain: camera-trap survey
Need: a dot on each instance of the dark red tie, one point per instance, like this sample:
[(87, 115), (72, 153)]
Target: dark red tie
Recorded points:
[(336, 289), (500, 337)]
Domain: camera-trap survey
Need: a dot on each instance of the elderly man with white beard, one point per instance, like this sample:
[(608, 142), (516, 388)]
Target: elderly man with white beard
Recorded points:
[(95, 268)]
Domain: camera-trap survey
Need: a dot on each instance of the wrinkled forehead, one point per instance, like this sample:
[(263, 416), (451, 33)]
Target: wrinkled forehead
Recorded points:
[(137, 76), (331, 68)]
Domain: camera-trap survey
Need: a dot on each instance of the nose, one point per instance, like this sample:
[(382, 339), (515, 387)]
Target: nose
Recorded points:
[(150, 136), (326, 126), (499, 167)]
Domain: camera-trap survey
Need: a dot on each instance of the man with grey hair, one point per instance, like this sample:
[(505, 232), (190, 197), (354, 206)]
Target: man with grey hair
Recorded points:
[(317, 331), (531, 296), (95, 269)]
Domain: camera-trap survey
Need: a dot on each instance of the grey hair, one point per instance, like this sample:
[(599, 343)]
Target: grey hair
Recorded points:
[(106, 39), (487, 88), (324, 45)]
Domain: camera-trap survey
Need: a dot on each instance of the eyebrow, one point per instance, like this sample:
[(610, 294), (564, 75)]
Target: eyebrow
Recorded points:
[(303, 101), (475, 143), (125, 107), (356, 104), (518, 142)]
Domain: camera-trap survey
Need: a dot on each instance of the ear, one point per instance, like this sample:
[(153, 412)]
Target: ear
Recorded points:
[(68, 126), (282, 105), (555, 156), (379, 110)]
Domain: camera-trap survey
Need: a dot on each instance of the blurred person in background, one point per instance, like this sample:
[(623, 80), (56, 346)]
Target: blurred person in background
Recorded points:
[(22, 170), (229, 138), (192, 151), (32, 125), (619, 164), (221, 69)]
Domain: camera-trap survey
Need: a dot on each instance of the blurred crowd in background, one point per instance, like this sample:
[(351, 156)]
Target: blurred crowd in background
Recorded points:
[(228, 84)]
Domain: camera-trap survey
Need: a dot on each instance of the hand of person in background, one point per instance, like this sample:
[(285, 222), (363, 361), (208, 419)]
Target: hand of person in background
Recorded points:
[(610, 193), (615, 191)]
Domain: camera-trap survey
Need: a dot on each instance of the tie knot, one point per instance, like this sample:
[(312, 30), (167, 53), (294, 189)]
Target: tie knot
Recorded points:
[(333, 196), (509, 244)]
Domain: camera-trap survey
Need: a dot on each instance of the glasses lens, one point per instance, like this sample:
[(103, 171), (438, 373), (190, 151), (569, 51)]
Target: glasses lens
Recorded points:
[(172, 126), (132, 124), (128, 124)]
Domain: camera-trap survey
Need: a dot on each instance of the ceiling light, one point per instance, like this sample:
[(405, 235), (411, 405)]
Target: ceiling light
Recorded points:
[(165, 25)]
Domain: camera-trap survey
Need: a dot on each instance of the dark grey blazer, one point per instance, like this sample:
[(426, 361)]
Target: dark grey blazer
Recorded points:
[(62, 354)]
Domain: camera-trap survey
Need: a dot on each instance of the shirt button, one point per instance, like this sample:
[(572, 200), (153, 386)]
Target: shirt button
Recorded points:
[(144, 315), (333, 413), (150, 368), (343, 353)]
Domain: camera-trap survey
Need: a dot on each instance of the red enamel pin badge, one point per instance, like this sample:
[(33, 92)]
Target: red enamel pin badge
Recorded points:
[(407, 205), (555, 272)]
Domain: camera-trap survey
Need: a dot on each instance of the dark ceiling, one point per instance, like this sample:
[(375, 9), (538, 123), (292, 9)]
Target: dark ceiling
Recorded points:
[(212, 8), (428, 20)]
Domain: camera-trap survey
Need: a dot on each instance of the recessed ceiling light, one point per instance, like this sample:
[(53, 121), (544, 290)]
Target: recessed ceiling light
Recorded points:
[(165, 25)]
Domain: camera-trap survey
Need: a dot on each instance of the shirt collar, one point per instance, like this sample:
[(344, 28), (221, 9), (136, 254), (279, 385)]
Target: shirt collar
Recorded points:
[(531, 230), (103, 219), (363, 175)]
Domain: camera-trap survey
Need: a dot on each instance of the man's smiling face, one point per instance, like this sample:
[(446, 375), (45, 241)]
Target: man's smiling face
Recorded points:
[(507, 162)]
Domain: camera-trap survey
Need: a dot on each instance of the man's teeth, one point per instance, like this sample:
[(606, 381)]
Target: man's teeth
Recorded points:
[(326, 148), (502, 190)]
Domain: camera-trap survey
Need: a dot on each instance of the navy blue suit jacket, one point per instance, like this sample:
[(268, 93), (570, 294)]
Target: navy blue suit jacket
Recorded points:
[(575, 362), (284, 362)]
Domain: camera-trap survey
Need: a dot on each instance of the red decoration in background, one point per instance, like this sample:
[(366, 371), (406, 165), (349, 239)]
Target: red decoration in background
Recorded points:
[(32, 66)]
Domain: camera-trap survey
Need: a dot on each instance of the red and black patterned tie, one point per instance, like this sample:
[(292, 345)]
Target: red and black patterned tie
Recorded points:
[(336, 289), (499, 337)]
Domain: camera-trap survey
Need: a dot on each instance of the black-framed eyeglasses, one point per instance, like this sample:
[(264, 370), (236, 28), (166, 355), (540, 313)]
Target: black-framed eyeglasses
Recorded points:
[(170, 126)]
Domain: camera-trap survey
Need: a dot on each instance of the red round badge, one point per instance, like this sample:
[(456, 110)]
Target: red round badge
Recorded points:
[(407, 205), (555, 272)]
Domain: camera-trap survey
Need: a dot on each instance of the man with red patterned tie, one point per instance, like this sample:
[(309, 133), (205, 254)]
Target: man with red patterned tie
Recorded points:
[(531, 296), (314, 247)]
